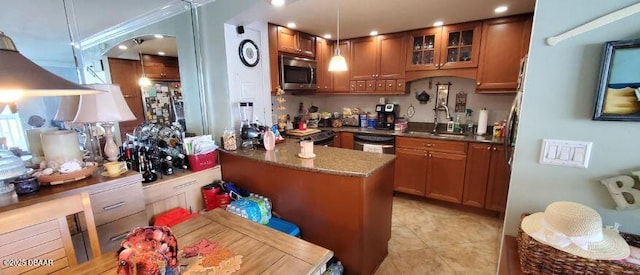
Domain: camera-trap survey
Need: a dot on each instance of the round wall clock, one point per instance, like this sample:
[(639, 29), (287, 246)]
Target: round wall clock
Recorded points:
[(249, 53)]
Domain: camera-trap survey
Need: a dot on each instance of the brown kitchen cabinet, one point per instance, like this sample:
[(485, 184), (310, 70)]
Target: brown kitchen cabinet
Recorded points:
[(323, 57), (336, 141), (443, 165), (448, 47), (499, 176), (295, 42), (505, 41), (161, 67), (377, 63), (346, 140), (126, 73), (341, 81), (410, 176), (487, 177)]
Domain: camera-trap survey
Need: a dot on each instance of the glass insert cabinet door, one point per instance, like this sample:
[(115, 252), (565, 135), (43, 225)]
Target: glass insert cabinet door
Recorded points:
[(425, 50), (447, 47)]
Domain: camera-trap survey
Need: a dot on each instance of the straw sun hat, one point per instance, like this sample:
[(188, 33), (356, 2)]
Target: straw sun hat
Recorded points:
[(576, 229)]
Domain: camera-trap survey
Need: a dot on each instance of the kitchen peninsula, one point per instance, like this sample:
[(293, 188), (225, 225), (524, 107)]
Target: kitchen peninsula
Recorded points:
[(341, 199)]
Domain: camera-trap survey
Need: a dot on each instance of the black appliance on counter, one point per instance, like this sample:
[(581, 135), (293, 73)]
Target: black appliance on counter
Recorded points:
[(387, 115)]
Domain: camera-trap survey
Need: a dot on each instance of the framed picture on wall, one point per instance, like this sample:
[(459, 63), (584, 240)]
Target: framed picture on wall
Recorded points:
[(618, 96)]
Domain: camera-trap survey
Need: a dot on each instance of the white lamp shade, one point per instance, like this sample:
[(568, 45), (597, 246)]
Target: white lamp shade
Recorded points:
[(68, 108), (337, 64), (105, 107), (21, 77)]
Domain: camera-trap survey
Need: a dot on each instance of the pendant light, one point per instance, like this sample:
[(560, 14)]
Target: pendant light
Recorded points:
[(144, 80), (338, 63), (19, 77)]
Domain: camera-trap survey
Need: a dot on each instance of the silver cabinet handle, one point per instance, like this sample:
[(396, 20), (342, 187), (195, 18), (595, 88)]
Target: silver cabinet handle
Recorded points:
[(113, 206), (119, 237), (488, 147)]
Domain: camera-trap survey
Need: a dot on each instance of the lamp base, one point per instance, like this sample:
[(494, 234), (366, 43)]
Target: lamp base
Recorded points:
[(111, 150)]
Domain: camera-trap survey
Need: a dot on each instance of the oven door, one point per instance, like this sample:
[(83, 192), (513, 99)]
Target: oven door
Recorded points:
[(380, 144)]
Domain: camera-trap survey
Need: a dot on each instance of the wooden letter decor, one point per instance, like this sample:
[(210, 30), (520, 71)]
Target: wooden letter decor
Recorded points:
[(625, 190)]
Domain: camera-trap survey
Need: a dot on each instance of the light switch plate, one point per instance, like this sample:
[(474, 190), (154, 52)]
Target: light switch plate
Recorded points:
[(565, 153)]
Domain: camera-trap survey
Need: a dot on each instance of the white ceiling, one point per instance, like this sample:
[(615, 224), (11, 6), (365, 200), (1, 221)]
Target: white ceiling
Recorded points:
[(150, 45), (39, 29), (359, 17)]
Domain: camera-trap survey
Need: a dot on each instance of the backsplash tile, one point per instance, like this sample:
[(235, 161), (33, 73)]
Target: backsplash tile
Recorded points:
[(497, 104)]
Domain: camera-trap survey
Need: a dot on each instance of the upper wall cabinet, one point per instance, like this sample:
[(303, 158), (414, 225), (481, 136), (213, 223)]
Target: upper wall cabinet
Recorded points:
[(504, 42), (161, 67), (448, 47), (295, 42), (323, 56), (377, 63)]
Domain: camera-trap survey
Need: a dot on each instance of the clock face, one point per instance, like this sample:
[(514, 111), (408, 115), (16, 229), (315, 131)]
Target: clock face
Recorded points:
[(249, 53)]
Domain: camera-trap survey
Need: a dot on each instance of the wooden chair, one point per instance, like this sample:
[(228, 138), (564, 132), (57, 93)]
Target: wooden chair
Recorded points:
[(40, 231)]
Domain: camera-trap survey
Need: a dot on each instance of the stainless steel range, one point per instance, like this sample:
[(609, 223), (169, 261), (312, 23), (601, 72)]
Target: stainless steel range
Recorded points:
[(324, 138)]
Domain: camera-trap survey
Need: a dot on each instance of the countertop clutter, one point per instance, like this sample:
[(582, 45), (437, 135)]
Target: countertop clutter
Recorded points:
[(420, 134), (328, 160)]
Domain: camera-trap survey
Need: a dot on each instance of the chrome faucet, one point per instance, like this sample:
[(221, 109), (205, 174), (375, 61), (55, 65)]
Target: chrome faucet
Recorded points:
[(435, 117)]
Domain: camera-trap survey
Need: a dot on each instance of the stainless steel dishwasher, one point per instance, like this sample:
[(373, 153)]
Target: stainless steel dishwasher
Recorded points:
[(374, 142)]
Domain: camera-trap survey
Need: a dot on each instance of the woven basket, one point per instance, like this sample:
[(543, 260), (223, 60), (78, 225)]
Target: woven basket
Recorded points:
[(538, 258)]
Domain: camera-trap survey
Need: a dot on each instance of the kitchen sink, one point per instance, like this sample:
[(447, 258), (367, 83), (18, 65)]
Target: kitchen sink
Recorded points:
[(450, 136)]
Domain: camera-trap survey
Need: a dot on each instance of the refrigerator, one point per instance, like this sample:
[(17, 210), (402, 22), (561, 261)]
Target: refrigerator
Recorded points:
[(511, 131), (163, 102)]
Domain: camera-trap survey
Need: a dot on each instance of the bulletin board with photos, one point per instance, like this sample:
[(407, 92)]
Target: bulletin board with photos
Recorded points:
[(163, 102)]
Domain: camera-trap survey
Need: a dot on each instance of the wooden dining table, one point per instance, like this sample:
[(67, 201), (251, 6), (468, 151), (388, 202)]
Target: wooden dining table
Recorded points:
[(264, 250)]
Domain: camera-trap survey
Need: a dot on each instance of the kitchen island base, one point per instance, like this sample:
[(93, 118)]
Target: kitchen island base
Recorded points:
[(350, 215)]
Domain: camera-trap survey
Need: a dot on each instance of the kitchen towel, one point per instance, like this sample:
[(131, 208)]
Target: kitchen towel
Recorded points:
[(482, 121), (372, 148)]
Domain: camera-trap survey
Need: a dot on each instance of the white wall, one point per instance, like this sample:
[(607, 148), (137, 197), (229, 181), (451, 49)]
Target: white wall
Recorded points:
[(558, 103), (249, 83), (497, 104)]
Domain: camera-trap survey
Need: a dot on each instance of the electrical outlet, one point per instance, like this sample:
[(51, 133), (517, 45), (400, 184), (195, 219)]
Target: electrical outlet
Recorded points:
[(565, 153)]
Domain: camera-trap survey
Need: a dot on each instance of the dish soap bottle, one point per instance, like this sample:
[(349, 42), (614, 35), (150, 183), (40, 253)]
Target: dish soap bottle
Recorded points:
[(450, 125), (456, 125)]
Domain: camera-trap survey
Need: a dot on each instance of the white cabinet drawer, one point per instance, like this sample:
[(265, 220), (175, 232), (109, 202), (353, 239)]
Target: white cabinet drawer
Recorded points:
[(117, 203)]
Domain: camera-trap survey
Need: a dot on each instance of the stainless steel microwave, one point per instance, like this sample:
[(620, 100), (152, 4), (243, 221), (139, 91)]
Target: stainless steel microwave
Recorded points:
[(297, 73)]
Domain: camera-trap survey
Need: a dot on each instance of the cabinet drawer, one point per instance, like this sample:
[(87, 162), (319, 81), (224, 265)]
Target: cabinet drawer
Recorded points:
[(391, 85), (437, 145), (110, 235), (117, 203)]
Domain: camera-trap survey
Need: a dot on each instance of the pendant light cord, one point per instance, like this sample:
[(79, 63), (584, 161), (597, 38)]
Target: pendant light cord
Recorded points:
[(139, 42), (338, 26)]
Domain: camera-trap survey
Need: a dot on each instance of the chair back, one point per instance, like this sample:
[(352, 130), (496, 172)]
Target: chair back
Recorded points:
[(36, 238)]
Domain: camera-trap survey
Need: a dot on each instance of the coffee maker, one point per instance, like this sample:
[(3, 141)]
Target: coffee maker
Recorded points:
[(387, 115)]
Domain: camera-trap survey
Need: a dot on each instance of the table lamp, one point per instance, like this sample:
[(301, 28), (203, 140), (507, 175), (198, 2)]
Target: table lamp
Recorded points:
[(105, 108)]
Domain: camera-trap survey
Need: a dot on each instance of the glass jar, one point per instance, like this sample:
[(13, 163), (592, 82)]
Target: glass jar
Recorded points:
[(229, 140)]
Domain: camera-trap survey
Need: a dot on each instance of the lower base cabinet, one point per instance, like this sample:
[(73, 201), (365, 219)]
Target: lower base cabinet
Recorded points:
[(470, 173), (431, 168), (487, 177), (346, 140)]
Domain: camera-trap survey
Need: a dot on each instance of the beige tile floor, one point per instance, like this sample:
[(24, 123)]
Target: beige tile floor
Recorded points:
[(432, 239)]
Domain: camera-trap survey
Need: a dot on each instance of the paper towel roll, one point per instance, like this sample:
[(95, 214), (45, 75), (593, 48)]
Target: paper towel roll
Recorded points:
[(482, 122)]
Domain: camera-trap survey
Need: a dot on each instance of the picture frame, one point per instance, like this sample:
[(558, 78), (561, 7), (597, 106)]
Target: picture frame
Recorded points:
[(618, 93)]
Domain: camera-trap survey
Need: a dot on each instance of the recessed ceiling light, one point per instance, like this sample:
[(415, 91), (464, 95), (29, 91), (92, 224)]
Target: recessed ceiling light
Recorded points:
[(123, 47), (500, 9), (291, 25), (158, 36), (327, 36), (438, 23), (160, 53), (277, 3), (373, 33)]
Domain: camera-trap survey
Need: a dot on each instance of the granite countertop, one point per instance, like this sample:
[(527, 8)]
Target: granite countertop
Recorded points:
[(419, 134), (329, 160)]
